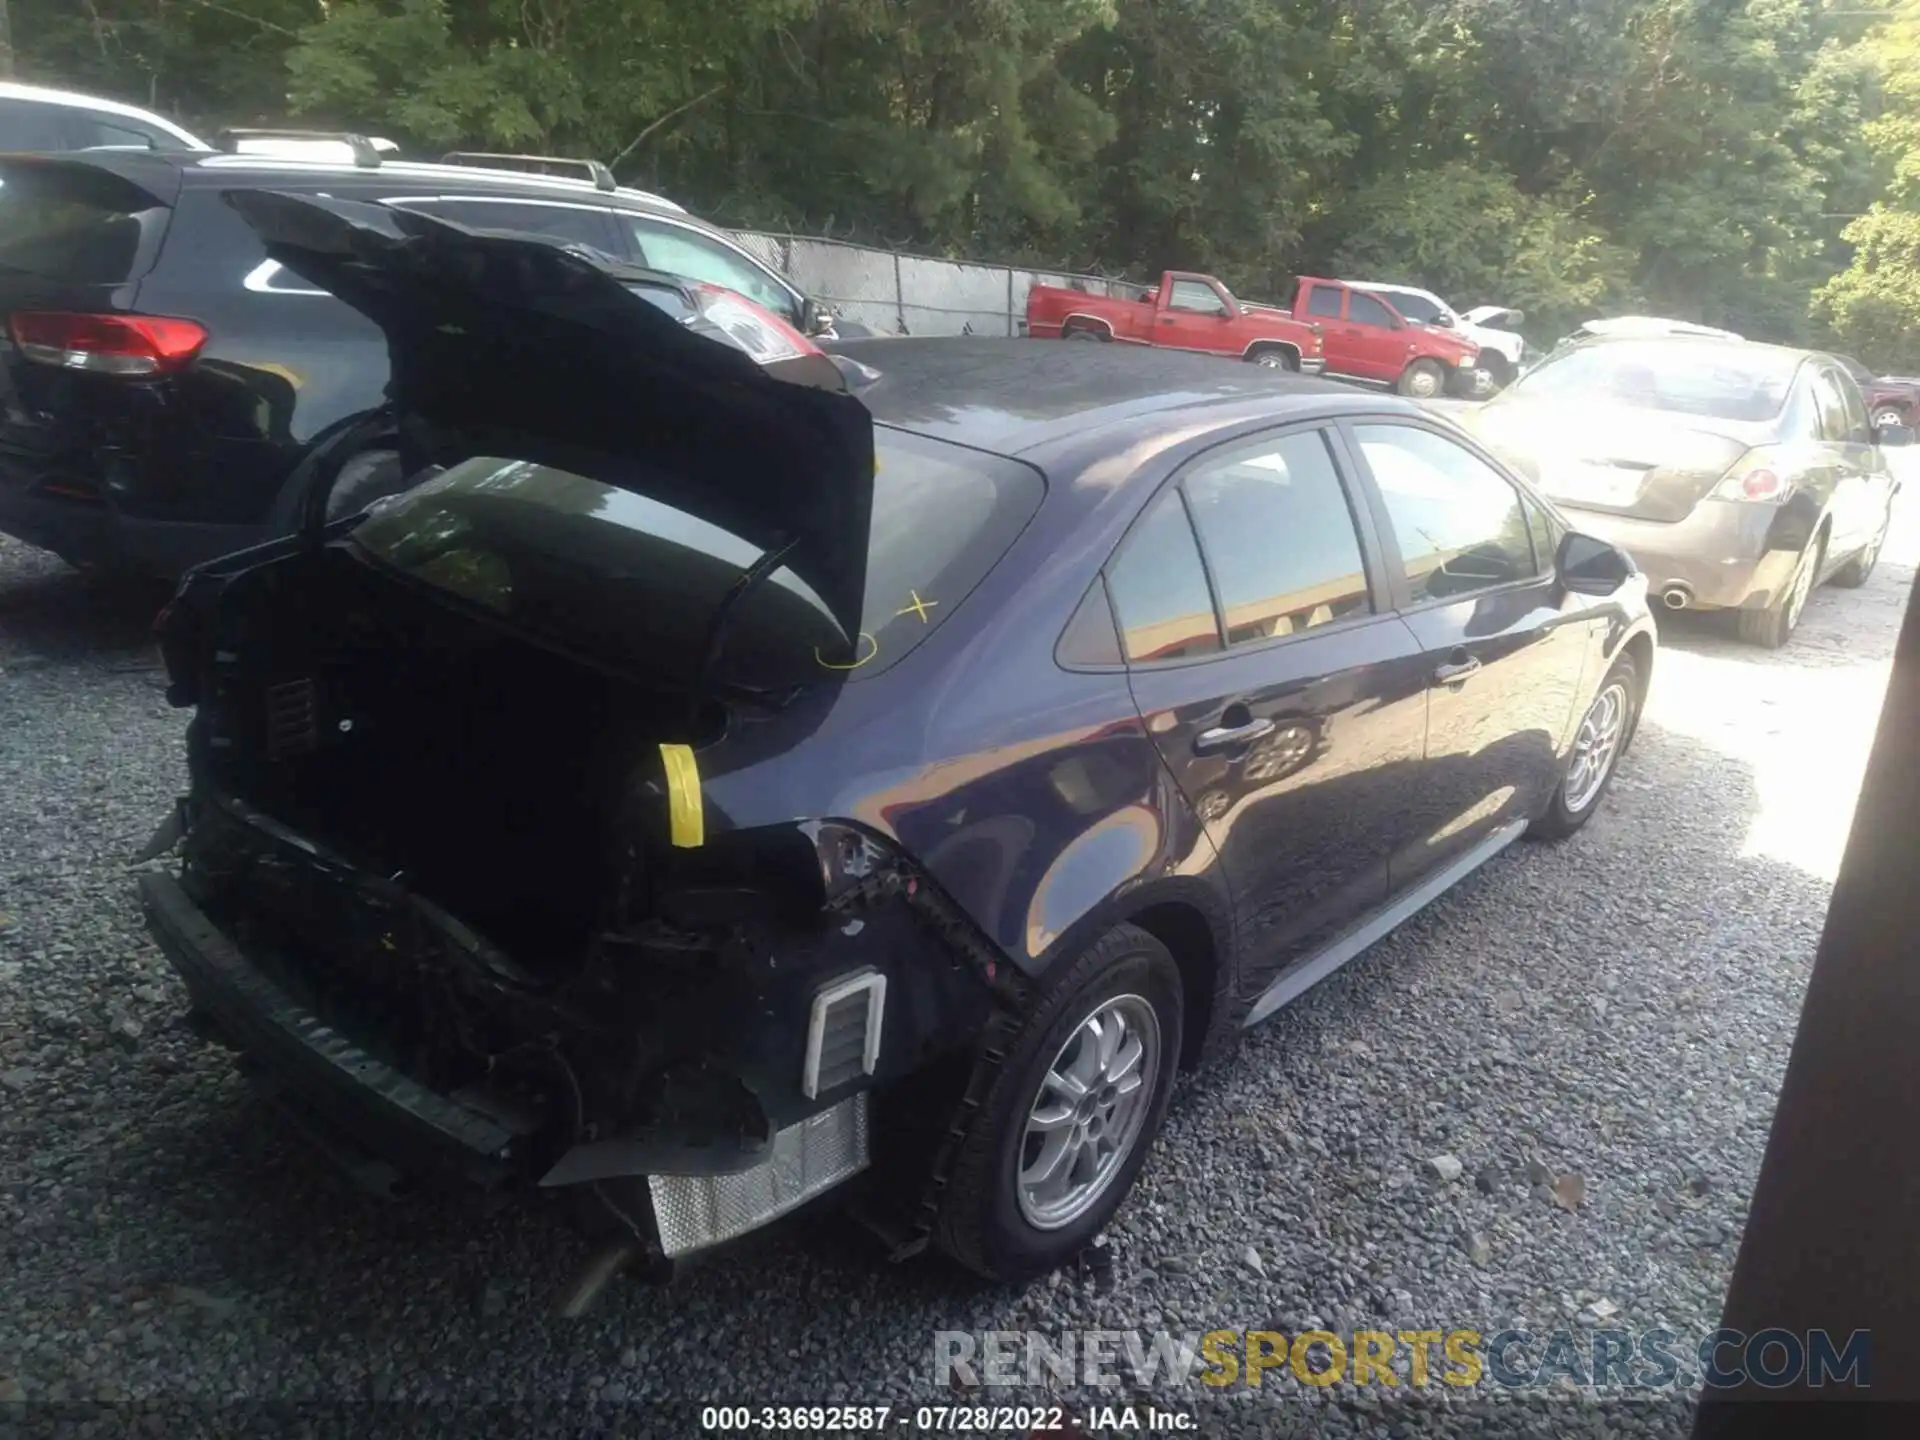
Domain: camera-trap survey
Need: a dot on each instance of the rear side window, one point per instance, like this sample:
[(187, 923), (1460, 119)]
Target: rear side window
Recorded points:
[(578, 224), (32, 125), (1159, 588), (72, 223), (1324, 300)]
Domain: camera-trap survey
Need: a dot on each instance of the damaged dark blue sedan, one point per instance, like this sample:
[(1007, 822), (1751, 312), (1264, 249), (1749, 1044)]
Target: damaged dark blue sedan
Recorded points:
[(706, 787)]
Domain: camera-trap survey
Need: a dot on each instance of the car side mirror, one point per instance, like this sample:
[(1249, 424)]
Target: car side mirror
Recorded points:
[(1590, 566), (815, 318), (1892, 435), (1444, 321)]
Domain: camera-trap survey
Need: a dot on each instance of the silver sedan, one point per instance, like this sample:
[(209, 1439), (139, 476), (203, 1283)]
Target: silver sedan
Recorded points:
[(1738, 475)]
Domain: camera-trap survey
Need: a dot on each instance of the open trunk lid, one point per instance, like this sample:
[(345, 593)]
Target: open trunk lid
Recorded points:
[(514, 347)]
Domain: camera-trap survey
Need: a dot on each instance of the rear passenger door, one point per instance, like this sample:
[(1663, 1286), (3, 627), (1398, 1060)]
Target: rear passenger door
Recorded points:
[(1469, 558), (1286, 700)]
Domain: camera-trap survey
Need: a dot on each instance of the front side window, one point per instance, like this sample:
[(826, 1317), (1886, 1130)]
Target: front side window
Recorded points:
[(1365, 310), (692, 256), (1159, 588), (1416, 308), (1459, 523), (1274, 523), (1197, 296)]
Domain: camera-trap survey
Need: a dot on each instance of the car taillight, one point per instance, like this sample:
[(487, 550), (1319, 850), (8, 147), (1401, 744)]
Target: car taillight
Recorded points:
[(759, 332), (107, 344), (1755, 482)]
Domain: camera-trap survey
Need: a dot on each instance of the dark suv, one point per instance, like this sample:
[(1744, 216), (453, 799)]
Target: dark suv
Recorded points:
[(167, 391)]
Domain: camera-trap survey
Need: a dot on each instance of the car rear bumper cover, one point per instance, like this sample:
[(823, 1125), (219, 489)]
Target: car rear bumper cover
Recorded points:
[(1723, 553)]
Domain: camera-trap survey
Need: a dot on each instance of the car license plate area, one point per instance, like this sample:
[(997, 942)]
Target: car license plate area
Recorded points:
[(1589, 482)]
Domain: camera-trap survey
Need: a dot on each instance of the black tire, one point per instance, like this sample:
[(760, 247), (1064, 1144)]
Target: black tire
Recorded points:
[(1424, 379), (1084, 334), (1773, 627), (982, 1224), (1275, 357), (1858, 570), (363, 479), (1569, 810)]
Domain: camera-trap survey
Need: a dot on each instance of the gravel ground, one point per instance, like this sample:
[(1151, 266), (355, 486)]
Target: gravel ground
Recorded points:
[(1617, 1009)]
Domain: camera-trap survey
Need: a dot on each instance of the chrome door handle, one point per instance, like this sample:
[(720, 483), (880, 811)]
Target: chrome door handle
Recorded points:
[(1231, 737), (1457, 672)]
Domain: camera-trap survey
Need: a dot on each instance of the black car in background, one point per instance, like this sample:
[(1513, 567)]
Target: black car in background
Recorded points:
[(168, 392), (706, 791)]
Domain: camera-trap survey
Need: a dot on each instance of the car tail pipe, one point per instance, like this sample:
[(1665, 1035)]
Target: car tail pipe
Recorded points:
[(1676, 595)]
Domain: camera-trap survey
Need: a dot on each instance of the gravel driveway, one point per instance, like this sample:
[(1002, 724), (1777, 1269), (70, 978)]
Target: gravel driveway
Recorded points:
[(1617, 1009)]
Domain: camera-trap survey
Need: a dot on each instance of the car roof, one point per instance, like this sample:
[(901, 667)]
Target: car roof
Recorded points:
[(226, 165), (1703, 345), (41, 95), (223, 168), (1010, 396)]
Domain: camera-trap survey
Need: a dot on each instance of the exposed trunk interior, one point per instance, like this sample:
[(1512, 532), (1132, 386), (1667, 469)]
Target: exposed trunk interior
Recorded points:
[(421, 741)]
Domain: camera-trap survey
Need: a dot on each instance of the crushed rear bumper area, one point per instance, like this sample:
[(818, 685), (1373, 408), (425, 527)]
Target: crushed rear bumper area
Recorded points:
[(327, 1076)]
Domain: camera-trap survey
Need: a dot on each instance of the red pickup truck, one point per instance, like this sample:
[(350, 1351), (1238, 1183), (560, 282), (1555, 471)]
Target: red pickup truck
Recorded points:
[(1185, 312), (1365, 338)]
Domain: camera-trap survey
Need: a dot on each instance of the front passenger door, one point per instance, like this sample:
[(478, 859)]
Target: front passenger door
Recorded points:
[(1286, 701), (1503, 646)]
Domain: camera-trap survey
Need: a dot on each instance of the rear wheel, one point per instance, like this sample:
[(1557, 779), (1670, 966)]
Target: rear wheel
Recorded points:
[(1857, 571), (367, 477), (1423, 380), (1774, 626), (1084, 334), (1054, 1148), (1603, 734), (1888, 415)]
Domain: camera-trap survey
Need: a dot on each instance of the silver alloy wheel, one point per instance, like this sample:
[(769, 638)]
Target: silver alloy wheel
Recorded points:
[(1596, 745), (1272, 360), (1802, 585), (1088, 1114), (1423, 385), (1888, 416)]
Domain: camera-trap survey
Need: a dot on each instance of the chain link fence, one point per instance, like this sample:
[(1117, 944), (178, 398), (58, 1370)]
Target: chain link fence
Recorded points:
[(900, 294)]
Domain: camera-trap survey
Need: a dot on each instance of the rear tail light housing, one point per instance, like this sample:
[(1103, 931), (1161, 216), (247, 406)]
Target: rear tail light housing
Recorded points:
[(1755, 482), (755, 329), (136, 345)]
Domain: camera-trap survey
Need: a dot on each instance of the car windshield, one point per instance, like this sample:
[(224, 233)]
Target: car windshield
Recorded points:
[(636, 581), (1732, 381)]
